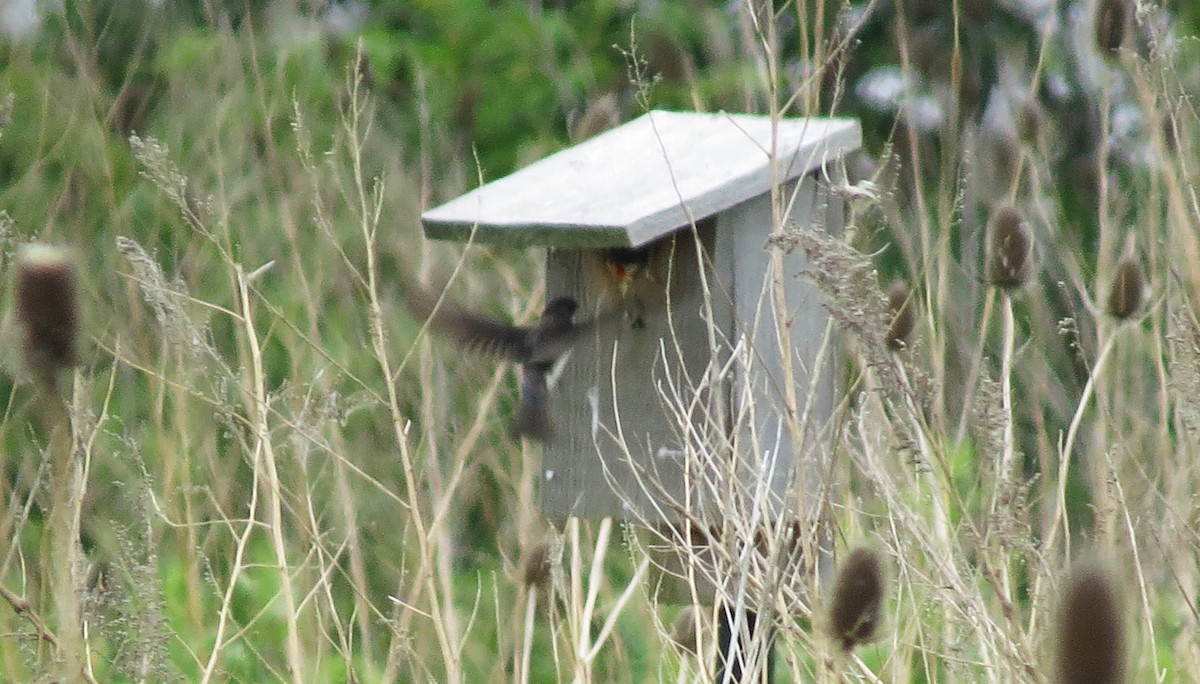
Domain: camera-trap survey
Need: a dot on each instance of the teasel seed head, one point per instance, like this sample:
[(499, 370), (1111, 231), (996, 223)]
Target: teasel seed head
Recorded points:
[(857, 606), (1128, 291), (1112, 21), (47, 304), (1009, 249), (904, 318), (1030, 120), (1169, 134), (685, 628), (978, 10), (535, 567), (1090, 630), (600, 115)]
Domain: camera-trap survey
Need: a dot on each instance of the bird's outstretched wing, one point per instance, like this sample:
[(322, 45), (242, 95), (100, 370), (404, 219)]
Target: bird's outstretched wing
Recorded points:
[(549, 341), (469, 331), (541, 343)]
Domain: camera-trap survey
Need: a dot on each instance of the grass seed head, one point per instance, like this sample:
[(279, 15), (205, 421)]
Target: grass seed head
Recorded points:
[(1090, 631), (47, 304), (1128, 291), (857, 607), (1009, 249), (904, 319)]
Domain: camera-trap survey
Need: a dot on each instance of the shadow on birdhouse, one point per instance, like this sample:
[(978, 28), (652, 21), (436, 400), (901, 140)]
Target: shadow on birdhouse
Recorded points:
[(713, 389)]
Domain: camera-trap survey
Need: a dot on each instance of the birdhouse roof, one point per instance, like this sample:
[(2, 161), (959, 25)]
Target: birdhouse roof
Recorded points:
[(640, 181)]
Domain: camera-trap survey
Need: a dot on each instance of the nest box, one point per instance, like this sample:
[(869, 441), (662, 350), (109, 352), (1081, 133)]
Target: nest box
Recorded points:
[(667, 219)]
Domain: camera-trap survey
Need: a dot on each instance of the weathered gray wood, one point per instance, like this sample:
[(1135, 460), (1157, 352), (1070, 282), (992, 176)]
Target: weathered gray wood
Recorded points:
[(643, 180), (610, 390), (598, 403), (768, 444)]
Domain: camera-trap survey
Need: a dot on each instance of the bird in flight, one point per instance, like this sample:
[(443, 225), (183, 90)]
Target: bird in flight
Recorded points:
[(536, 348)]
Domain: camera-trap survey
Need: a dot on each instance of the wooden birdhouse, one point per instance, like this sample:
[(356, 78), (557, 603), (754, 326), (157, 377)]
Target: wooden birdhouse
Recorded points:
[(713, 357)]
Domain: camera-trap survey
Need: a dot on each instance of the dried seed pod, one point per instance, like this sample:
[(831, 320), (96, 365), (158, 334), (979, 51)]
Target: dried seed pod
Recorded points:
[(1112, 20), (978, 10), (47, 301), (1128, 291), (535, 567), (857, 607), (685, 628), (1090, 631), (1169, 134), (1009, 249), (1030, 120), (1083, 178), (904, 319), (132, 106), (600, 115)]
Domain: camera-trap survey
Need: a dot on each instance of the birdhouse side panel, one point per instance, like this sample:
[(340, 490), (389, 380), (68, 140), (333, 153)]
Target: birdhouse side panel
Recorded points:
[(786, 367)]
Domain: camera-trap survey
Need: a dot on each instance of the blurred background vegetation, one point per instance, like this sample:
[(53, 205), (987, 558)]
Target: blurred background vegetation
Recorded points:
[(951, 96)]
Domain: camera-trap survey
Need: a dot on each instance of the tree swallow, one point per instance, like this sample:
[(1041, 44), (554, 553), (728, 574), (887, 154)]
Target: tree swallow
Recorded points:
[(536, 348)]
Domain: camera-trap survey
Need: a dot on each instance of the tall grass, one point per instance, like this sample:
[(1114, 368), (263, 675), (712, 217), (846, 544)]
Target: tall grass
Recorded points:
[(286, 479)]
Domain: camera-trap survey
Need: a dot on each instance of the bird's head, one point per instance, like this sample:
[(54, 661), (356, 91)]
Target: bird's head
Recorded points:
[(561, 308)]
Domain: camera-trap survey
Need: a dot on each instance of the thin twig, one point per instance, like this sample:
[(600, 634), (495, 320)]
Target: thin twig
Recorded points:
[(24, 609)]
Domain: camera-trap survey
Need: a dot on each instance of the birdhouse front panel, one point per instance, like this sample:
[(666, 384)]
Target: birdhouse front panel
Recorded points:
[(712, 371), (621, 393)]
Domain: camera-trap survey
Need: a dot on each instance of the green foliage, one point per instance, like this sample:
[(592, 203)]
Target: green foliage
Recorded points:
[(256, 120)]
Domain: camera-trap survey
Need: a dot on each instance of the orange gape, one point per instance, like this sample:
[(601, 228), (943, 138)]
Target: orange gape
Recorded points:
[(612, 276), (622, 276)]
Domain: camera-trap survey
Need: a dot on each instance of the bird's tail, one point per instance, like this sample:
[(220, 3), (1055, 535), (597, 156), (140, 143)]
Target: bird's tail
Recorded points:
[(533, 414)]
